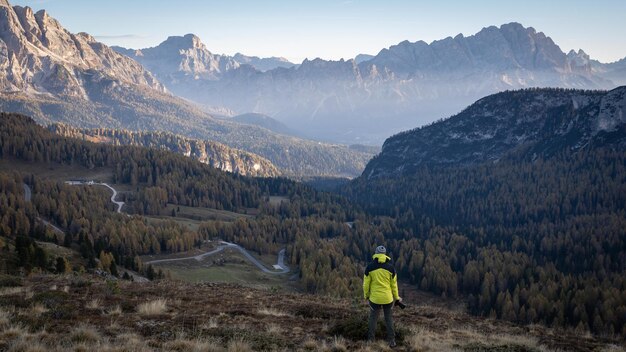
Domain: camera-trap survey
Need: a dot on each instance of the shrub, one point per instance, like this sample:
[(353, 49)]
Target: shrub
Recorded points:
[(355, 328), (156, 307)]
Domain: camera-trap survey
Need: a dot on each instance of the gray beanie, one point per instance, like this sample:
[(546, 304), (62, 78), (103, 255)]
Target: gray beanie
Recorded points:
[(381, 250)]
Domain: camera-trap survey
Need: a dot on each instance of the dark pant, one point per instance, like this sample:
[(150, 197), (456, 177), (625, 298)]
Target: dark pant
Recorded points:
[(374, 310)]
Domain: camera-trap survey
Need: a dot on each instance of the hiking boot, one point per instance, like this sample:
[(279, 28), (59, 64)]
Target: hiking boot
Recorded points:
[(392, 344)]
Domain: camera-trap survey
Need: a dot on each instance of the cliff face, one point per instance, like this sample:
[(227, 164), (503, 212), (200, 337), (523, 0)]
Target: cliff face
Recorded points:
[(211, 153), (38, 55)]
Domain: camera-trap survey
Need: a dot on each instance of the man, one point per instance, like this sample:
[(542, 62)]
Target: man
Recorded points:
[(380, 288)]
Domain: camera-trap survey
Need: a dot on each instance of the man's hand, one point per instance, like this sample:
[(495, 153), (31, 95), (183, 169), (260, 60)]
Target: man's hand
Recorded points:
[(367, 301), (399, 299)]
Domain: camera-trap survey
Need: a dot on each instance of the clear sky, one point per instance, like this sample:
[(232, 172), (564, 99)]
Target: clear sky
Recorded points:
[(333, 29)]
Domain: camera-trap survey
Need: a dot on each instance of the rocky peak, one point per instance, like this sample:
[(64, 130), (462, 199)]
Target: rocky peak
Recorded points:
[(319, 68), (186, 42), (178, 58), (579, 62), (263, 64), (508, 47), (40, 56)]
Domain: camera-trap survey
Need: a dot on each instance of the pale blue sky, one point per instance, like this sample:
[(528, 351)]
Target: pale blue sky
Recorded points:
[(332, 29)]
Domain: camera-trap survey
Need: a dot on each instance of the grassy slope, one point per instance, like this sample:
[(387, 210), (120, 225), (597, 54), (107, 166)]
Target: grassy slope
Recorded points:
[(83, 312)]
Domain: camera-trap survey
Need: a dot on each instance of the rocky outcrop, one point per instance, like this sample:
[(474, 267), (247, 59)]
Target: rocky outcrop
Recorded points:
[(521, 124), (211, 153)]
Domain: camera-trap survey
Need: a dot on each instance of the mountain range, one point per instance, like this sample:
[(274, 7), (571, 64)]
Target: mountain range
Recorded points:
[(55, 76), (369, 98), (524, 124)]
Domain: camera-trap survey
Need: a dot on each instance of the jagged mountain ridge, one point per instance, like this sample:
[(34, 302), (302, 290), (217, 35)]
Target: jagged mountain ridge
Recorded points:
[(55, 76), (530, 123), (401, 87), (179, 58), (214, 154), (263, 63), (37, 55)]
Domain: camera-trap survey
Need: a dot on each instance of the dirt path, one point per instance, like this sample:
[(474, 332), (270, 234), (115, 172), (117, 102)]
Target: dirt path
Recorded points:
[(283, 269)]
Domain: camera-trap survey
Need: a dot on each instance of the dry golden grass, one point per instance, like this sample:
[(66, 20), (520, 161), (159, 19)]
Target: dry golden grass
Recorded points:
[(38, 309), (212, 323), (95, 303), (273, 329), (205, 318), (339, 345), (183, 344), (115, 310), (129, 342), (13, 332), (272, 312), (310, 344), (239, 345), (84, 334), (155, 307), (24, 345), (423, 339)]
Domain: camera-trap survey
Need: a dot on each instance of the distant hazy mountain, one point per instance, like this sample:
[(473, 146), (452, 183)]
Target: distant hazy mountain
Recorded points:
[(531, 123), (55, 76), (263, 121), (263, 64), (363, 57), (180, 58), (401, 87), (213, 154)]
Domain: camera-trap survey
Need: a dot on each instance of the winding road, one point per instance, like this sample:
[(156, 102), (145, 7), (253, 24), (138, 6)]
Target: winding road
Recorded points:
[(90, 183), (27, 192), (280, 265)]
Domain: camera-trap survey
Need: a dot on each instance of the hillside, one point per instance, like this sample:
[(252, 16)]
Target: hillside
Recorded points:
[(517, 203), (175, 316), (500, 237), (535, 123), (213, 154), (52, 75)]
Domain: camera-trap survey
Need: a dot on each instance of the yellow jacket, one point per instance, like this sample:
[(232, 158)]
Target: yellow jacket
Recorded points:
[(380, 283)]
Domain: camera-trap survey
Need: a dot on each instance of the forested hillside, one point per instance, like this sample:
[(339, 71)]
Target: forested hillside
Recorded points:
[(531, 241), (211, 153), (158, 178), (518, 203)]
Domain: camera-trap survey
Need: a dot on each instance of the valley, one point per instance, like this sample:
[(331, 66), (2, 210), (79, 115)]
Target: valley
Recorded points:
[(186, 197)]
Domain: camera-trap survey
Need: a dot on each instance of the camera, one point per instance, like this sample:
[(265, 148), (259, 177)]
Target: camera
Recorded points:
[(400, 304)]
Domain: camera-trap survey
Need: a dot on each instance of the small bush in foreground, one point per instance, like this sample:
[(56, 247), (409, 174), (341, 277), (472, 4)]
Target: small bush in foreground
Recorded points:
[(156, 307)]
